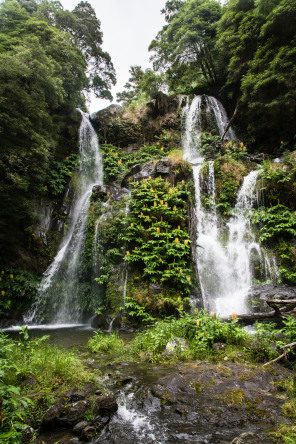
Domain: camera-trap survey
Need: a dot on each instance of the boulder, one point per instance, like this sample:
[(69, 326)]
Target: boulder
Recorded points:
[(75, 412), (79, 427), (88, 433), (106, 404), (101, 191), (163, 166), (51, 416), (176, 345)]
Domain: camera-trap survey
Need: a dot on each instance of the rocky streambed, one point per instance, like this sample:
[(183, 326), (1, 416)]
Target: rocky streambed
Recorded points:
[(196, 402)]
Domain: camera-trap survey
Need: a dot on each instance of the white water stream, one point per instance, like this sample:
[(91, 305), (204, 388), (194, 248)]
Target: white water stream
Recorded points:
[(224, 267), (59, 288)]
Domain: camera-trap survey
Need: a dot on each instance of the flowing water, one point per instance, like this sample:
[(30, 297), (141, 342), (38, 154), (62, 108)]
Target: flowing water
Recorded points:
[(60, 288), (225, 267)]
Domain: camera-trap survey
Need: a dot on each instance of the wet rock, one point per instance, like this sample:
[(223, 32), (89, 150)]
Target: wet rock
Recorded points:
[(219, 346), (51, 416), (75, 412), (163, 166), (270, 291), (100, 321), (27, 435), (88, 433), (125, 381), (77, 396), (79, 427), (176, 345), (106, 404), (99, 422), (258, 294), (101, 191)]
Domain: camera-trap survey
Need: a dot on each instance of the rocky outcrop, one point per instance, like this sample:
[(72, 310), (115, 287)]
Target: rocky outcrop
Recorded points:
[(73, 407), (258, 294), (131, 128)]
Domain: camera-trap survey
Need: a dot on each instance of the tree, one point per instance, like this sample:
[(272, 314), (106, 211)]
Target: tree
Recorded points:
[(185, 47), (257, 51), (41, 74), (84, 28), (142, 83)]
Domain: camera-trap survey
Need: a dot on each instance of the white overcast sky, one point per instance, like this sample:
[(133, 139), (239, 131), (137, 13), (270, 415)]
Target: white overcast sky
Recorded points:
[(128, 28)]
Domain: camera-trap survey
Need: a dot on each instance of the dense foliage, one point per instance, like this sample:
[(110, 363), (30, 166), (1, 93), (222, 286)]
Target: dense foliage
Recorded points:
[(45, 53), (244, 52), (156, 235)]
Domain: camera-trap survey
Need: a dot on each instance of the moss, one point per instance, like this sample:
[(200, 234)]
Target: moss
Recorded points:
[(232, 397), (115, 291), (229, 176)]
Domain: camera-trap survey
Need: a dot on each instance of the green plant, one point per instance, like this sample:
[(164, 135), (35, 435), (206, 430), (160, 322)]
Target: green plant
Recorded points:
[(13, 406), (18, 289), (156, 232), (201, 331), (60, 174), (105, 342)]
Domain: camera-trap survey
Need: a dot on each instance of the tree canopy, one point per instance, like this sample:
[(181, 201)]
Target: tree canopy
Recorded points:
[(244, 52), (48, 56), (142, 84)]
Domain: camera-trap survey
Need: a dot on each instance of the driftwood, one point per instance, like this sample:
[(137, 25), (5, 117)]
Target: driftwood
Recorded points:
[(230, 121), (293, 344)]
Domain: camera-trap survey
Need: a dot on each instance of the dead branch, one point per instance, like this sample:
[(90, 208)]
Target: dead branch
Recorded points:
[(293, 344)]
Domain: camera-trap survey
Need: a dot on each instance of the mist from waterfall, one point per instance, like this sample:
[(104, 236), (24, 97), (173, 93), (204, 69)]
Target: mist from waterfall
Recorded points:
[(58, 301), (225, 268)]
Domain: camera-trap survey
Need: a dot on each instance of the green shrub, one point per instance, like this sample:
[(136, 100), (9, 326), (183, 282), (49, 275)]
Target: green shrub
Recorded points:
[(105, 342)]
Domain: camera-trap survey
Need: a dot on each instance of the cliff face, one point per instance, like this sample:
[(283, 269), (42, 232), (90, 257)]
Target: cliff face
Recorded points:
[(158, 120)]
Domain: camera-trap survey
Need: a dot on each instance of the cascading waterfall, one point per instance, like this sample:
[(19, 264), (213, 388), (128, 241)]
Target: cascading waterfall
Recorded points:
[(58, 300), (224, 269)]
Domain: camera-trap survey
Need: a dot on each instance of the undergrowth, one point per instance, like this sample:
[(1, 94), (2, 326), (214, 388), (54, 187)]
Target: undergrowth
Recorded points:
[(50, 370)]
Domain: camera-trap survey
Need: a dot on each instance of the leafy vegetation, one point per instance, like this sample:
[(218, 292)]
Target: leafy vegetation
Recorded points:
[(45, 53), (276, 218), (244, 52), (118, 162), (51, 369), (141, 85), (18, 291), (156, 234)]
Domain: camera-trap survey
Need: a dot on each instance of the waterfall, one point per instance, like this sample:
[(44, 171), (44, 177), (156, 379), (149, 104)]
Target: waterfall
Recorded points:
[(59, 291), (224, 268)]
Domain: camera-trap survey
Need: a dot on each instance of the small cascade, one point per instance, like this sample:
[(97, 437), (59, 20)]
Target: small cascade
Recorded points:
[(111, 325), (59, 290), (213, 105), (224, 267), (139, 425)]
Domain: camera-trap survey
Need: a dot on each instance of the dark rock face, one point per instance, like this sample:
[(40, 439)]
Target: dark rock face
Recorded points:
[(106, 404), (101, 191), (122, 128), (102, 118), (139, 172), (51, 416), (75, 412), (258, 294), (164, 104)]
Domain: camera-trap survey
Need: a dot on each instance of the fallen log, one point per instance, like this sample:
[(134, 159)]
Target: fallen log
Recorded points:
[(252, 317)]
